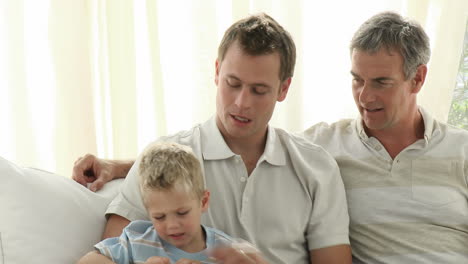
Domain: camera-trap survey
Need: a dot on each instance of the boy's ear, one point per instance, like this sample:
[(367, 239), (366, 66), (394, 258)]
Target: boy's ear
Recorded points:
[(205, 200)]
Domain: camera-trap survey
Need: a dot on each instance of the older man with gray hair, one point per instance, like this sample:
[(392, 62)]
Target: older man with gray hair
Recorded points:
[(405, 173)]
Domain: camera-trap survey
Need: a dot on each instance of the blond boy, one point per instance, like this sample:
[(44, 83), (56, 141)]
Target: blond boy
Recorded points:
[(172, 187)]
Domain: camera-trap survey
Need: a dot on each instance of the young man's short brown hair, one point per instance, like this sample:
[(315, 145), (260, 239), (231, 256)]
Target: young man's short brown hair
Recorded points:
[(258, 35)]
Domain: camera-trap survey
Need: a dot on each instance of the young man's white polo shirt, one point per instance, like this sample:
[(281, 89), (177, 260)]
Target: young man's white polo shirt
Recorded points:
[(292, 202)]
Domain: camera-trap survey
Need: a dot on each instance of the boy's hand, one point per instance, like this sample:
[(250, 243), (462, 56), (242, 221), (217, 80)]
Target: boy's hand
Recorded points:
[(158, 260), (187, 261)]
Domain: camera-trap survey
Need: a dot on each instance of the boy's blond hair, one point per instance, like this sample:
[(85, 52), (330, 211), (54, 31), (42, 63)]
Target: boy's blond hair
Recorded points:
[(167, 166)]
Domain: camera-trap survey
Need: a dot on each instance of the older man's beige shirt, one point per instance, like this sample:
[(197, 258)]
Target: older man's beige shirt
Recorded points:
[(410, 209)]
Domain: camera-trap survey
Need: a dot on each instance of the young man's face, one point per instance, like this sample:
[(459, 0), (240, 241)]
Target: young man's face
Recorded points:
[(248, 89), (382, 95), (176, 217)]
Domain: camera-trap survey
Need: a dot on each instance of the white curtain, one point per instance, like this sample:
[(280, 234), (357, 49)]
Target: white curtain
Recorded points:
[(109, 76)]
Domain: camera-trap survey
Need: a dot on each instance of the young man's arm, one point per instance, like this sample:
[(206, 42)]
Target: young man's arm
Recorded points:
[(340, 254), (114, 226), (95, 257)]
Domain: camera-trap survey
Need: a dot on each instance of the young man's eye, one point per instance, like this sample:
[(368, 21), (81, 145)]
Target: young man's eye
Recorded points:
[(159, 218), (259, 90)]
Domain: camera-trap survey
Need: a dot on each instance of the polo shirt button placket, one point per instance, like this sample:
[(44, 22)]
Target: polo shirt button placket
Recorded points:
[(244, 210), (395, 166)]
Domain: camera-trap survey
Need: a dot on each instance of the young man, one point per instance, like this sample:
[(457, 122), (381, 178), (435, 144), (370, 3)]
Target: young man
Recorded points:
[(405, 173), (258, 175), (171, 184)]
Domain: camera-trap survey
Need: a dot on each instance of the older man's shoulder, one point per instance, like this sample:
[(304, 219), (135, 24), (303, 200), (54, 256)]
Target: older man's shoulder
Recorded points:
[(325, 130)]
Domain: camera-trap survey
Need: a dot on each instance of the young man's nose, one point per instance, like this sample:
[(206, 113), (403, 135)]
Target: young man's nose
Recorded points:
[(243, 98)]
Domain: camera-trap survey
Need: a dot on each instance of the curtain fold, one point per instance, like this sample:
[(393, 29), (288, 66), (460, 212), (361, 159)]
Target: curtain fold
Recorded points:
[(444, 23), (109, 76)]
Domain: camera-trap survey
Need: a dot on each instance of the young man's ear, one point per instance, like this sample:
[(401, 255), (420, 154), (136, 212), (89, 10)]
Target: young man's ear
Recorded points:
[(284, 88), (217, 65), (205, 200), (419, 78)]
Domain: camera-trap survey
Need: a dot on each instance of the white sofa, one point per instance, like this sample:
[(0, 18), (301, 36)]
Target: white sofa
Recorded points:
[(48, 218)]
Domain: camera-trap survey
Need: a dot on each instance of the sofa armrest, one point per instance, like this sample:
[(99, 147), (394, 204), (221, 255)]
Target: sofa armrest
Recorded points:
[(48, 218)]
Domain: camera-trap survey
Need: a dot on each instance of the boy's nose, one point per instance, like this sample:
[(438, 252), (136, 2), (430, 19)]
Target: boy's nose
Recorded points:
[(173, 224)]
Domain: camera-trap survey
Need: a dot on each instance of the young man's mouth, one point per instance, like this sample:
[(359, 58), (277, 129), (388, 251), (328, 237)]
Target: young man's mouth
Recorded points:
[(240, 119)]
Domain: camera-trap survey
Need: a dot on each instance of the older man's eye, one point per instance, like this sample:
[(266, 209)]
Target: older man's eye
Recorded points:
[(384, 84), (357, 80)]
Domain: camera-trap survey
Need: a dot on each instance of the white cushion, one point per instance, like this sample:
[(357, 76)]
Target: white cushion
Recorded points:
[(47, 218)]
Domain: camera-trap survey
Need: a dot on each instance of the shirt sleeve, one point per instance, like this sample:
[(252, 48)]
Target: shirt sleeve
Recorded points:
[(329, 219), (128, 203), (116, 248)]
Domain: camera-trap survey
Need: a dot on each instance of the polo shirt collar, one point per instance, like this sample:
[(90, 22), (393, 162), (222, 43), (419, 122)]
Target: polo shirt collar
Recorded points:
[(215, 148), (430, 129), (360, 128), (213, 145), (274, 150)]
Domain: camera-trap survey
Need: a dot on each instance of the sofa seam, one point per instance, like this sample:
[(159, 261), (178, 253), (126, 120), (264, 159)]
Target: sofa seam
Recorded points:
[(1, 249)]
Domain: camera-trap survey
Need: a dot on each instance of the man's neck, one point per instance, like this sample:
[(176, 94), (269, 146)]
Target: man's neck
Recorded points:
[(399, 137), (250, 149)]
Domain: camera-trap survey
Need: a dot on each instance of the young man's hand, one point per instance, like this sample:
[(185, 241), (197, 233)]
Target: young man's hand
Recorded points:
[(230, 255)]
